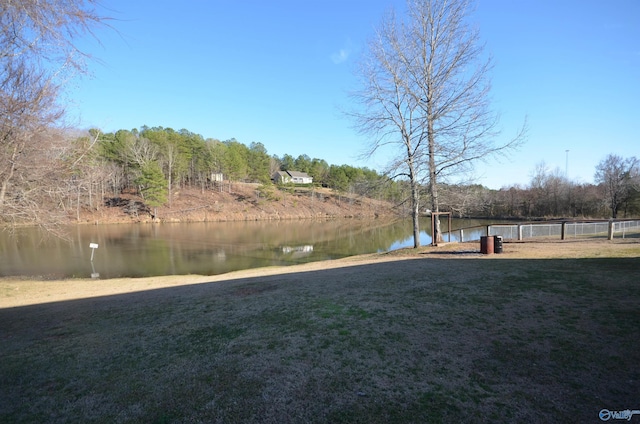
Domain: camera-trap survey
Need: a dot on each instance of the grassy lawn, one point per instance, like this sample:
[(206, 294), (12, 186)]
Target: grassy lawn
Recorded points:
[(420, 340)]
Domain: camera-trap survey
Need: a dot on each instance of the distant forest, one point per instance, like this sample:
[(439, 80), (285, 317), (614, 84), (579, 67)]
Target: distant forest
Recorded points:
[(154, 161), (61, 173), (162, 157)]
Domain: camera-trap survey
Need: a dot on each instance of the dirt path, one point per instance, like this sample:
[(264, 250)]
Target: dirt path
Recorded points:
[(20, 292)]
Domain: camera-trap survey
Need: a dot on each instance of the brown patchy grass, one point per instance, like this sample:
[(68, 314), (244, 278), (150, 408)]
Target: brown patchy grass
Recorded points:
[(545, 332)]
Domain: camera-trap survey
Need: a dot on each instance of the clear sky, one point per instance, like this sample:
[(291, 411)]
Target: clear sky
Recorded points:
[(279, 72)]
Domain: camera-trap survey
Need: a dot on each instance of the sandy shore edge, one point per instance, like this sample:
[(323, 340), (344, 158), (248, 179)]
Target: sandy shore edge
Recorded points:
[(15, 292)]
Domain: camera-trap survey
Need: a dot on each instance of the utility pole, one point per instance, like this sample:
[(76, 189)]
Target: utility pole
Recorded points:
[(566, 165)]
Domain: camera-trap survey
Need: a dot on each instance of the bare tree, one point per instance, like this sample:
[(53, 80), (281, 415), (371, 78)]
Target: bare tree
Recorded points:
[(619, 178), (549, 191), (425, 94), (140, 151), (37, 54), (461, 199), (26, 106), (37, 192)]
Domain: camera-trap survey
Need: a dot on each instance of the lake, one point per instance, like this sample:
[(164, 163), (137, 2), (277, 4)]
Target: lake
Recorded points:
[(205, 248)]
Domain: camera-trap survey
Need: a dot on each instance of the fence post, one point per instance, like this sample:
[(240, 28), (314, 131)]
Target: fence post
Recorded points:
[(519, 232), (611, 224), (461, 235), (562, 232)]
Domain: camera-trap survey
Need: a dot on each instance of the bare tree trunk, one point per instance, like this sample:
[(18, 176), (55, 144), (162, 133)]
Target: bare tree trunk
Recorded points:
[(435, 209), (90, 193), (170, 185), (5, 181), (415, 203), (433, 170), (78, 204)]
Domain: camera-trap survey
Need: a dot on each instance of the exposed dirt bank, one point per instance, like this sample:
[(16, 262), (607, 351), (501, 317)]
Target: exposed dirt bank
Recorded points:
[(235, 202)]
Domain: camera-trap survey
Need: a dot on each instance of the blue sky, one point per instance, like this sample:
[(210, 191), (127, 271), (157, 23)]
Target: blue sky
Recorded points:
[(279, 73)]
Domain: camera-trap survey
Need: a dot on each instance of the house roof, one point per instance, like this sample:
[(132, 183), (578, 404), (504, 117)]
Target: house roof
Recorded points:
[(291, 174), (298, 174)]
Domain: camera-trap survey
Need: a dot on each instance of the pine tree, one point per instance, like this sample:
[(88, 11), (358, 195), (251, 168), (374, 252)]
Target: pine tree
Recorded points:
[(153, 186)]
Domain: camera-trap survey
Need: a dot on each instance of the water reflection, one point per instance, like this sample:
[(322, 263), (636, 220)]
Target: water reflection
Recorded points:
[(138, 250), (297, 250)]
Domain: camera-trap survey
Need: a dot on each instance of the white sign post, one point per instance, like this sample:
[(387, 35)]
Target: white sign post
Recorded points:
[(93, 247)]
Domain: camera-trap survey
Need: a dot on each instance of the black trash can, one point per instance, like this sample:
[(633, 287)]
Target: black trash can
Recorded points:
[(497, 244)]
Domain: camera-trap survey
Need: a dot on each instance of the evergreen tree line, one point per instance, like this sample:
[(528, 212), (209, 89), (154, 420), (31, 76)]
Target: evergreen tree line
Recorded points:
[(63, 178), (156, 161)]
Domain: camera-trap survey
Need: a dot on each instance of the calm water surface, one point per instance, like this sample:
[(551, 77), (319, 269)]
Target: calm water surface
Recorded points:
[(140, 250)]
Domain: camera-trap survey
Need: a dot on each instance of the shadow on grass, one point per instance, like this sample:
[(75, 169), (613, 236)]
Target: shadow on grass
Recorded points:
[(409, 341)]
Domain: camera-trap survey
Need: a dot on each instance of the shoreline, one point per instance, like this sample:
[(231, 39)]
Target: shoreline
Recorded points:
[(18, 291)]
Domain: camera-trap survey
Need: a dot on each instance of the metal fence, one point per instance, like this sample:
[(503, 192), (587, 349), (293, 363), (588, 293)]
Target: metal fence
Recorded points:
[(562, 230), (627, 227)]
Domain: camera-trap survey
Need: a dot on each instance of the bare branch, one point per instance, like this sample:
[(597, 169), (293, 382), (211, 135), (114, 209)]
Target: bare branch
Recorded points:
[(37, 54)]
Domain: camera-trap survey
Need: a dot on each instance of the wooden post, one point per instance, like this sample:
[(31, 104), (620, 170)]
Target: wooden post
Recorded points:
[(562, 232), (611, 226)]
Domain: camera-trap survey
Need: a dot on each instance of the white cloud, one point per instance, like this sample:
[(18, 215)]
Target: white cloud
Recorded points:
[(340, 56), (343, 54)]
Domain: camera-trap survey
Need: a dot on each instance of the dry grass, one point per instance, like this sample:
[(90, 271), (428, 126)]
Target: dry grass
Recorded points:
[(438, 335)]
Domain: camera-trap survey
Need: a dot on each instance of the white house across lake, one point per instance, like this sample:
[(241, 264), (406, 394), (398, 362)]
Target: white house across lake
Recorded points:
[(283, 177)]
